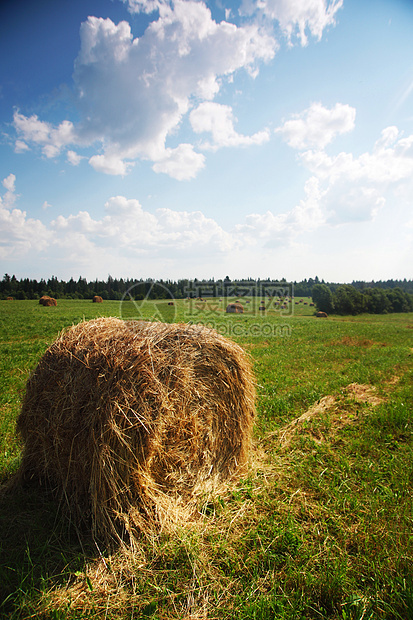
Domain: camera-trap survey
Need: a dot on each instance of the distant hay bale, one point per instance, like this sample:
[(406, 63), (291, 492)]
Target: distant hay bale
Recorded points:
[(128, 422), (97, 299), (9, 298), (45, 300), (236, 307), (321, 315), (170, 303)]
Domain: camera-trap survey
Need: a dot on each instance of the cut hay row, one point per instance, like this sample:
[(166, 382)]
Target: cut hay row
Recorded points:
[(127, 422), (330, 404)]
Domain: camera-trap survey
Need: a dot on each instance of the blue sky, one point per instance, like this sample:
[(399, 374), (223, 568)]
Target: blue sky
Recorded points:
[(152, 138)]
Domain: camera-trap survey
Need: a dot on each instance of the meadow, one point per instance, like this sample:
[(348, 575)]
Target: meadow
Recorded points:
[(321, 527)]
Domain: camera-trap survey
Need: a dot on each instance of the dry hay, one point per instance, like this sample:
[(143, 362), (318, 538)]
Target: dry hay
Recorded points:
[(320, 315), (351, 341), (334, 406), (128, 422), (236, 307), (9, 298), (321, 407), (97, 299), (45, 300), (363, 393)]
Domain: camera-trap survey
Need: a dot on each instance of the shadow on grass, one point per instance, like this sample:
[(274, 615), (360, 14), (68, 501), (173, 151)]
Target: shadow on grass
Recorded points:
[(39, 548)]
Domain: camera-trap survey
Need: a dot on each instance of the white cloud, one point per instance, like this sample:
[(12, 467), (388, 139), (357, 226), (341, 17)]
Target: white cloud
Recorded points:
[(146, 6), (356, 188), (124, 231), (282, 229), (52, 139), (219, 120), (388, 163), (110, 164), (184, 230), (132, 94), (20, 146), (182, 163), (9, 198), (388, 137), (10, 182), (126, 225), (317, 126), (18, 234), (354, 203), (46, 205), (74, 158), (295, 17), (340, 190)]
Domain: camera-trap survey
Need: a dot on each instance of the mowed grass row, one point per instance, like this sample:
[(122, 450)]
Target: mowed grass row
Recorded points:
[(321, 528)]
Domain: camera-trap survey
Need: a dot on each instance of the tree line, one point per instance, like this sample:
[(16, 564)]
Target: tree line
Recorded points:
[(348, 299), (359, 296)]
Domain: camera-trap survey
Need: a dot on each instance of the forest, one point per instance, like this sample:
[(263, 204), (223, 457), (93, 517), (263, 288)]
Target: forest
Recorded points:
[(375, 297)]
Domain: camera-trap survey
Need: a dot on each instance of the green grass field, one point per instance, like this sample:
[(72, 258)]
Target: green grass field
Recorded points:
[(322, 527)]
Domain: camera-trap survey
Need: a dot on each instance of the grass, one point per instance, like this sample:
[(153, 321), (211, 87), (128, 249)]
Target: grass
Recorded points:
[(322, 527)]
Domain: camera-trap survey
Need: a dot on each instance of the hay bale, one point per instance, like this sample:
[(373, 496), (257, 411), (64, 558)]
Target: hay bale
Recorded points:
[(45, 300), (321, 315), (9, 298), (236, 307), (97, 299), (128, 421)]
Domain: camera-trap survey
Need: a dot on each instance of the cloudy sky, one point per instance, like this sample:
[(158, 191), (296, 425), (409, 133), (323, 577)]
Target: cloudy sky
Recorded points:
[(205, 138)]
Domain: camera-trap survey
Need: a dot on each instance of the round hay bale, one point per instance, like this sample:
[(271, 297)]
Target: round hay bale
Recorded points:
[(9, 298), (45, 300), (235, 307), (97, 299), (128, 422), (321, 315)]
